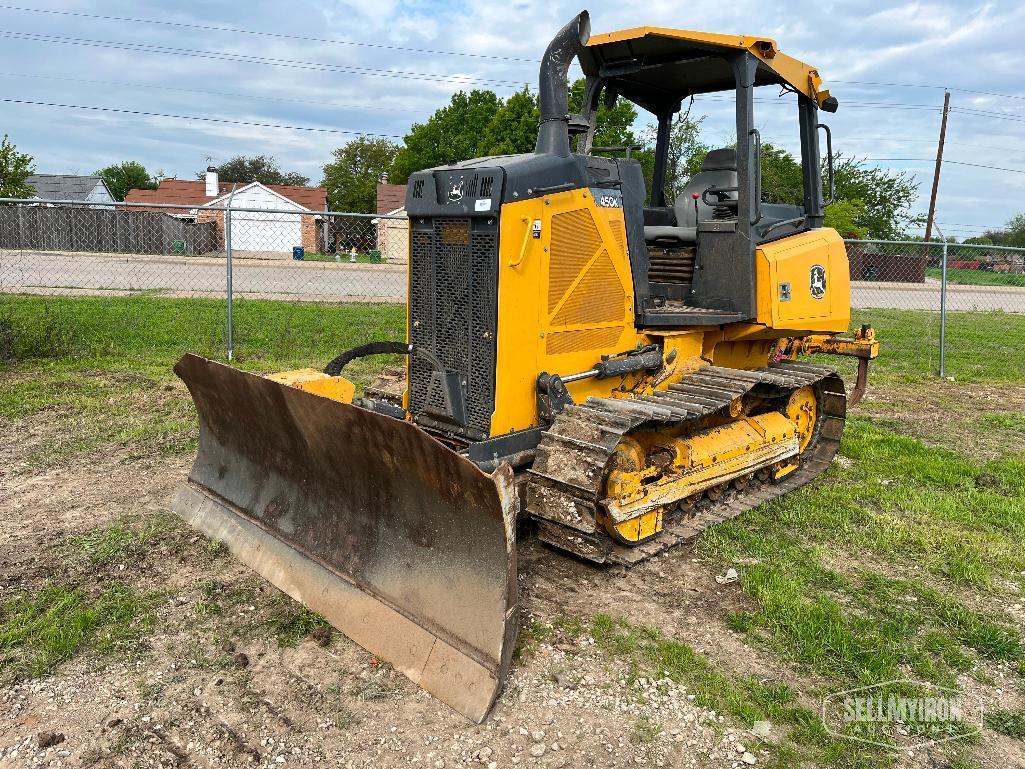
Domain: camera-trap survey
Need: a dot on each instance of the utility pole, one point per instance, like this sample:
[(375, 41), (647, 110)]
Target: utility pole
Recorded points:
[(939, 164)]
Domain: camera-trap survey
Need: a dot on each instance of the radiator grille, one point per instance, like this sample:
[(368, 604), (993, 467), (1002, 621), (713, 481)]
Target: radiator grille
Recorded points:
[(453, 314)]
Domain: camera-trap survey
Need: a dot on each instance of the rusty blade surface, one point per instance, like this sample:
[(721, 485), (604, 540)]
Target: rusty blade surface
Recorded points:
[(402, 544)]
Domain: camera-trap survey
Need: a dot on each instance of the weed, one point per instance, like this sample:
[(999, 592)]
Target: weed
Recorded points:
[(217, 548), (375, 689), (291, 622), (645, 730), (574, 626), (1009, 722), (39, 631), (962, 762), (532, 633), (150, 690), (120, 542)]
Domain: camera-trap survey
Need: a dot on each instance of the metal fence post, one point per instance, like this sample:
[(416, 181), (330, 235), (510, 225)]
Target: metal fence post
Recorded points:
[(227, 254), (943, 311)]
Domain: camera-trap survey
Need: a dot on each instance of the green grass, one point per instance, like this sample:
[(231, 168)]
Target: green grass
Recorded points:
[(119, 543), (102, 366), (315, 256), (1009, 421), (1008, 722), (981, 346), (977, 277), (645, 730), (38, 631), (291, 622), (917, 529), (147, 333)]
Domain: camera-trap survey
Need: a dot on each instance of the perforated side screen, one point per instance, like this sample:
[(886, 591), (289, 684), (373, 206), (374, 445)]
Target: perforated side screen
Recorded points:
[(453, 314)]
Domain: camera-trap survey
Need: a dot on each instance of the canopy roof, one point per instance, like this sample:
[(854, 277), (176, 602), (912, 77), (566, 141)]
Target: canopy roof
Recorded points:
[(656, 67)]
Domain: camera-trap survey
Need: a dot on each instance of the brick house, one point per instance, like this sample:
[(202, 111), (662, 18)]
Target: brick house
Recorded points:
[(257, 233)]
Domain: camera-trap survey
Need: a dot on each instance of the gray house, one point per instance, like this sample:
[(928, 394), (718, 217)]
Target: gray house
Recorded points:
[(54, 187)]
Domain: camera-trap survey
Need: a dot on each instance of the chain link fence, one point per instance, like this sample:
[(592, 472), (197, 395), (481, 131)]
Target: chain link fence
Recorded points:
[(920, 296), (947, 305), (180, 251)]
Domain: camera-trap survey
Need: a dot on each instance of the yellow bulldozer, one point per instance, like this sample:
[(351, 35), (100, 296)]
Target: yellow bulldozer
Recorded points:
[(585, 360)]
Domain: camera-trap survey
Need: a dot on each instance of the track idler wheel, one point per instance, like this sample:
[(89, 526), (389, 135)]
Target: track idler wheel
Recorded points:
[(627, 463)]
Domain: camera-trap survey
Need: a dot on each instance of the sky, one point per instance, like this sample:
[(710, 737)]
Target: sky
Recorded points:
[(345, 68)]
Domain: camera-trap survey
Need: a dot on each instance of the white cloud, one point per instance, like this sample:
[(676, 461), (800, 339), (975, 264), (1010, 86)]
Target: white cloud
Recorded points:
[(971, 46)]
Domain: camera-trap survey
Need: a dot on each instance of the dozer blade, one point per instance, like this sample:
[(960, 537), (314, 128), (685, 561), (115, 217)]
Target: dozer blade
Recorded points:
[(402, 544)]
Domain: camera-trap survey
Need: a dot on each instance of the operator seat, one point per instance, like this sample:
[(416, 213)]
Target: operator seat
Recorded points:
[(718, 169)]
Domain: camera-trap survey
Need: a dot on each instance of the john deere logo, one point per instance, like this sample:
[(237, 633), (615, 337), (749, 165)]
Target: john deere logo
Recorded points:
[(456, 191), (818, 281)]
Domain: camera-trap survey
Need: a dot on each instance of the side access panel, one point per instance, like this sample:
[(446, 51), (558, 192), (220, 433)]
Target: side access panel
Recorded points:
[(804, 282)]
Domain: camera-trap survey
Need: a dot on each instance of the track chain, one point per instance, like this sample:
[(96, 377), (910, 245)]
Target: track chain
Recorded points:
[(566, 483)]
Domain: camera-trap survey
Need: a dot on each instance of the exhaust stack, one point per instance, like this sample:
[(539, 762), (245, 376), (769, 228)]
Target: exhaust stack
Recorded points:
[(553, 98)]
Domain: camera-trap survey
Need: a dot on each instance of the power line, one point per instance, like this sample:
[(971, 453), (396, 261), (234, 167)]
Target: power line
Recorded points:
[(951, 162), (935, 87), (159, 87), (258, 33), (248, 59), (905, 139), (247, 123), (972, 226), (986, 114)]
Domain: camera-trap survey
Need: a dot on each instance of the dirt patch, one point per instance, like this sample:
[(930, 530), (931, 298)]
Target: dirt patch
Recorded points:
[(948, 414), (213, 686)]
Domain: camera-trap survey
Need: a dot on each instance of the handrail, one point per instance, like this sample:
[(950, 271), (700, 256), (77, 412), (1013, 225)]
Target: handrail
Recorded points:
[(829, 165), (756, 215)]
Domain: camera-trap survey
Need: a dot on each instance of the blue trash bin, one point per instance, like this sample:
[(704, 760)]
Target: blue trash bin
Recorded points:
[(298, 253)]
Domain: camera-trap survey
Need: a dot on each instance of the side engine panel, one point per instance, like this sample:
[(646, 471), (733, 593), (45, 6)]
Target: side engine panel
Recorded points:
[(803, 283), (565, 297)]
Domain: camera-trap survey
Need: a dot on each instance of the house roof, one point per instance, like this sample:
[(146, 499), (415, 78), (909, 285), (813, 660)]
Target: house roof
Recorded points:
[(390, 197), (63, 186), (192, 193)]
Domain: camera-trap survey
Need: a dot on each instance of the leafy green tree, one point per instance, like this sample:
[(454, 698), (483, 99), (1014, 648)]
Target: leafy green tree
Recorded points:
[(122, 177), (843, 216), (351, 177), (1014, 231), (685, 147), (243, 169), (888, 196), (479, 124), (457, 131), (513, 129), (15, 168), (686, 151), (878, 201)]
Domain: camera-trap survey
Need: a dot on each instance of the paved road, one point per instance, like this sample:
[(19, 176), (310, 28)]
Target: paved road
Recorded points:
[(926, 296), (199, 276), (327, 281)]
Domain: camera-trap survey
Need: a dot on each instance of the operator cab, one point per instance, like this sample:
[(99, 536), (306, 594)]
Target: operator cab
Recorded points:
[(693, 257)]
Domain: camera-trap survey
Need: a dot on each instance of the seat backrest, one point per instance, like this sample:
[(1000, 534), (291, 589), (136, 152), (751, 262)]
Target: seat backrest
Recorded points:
[(718, 169)]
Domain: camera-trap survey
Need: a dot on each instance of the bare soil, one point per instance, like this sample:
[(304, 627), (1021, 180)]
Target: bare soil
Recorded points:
[(211, 686), (187, 698)]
